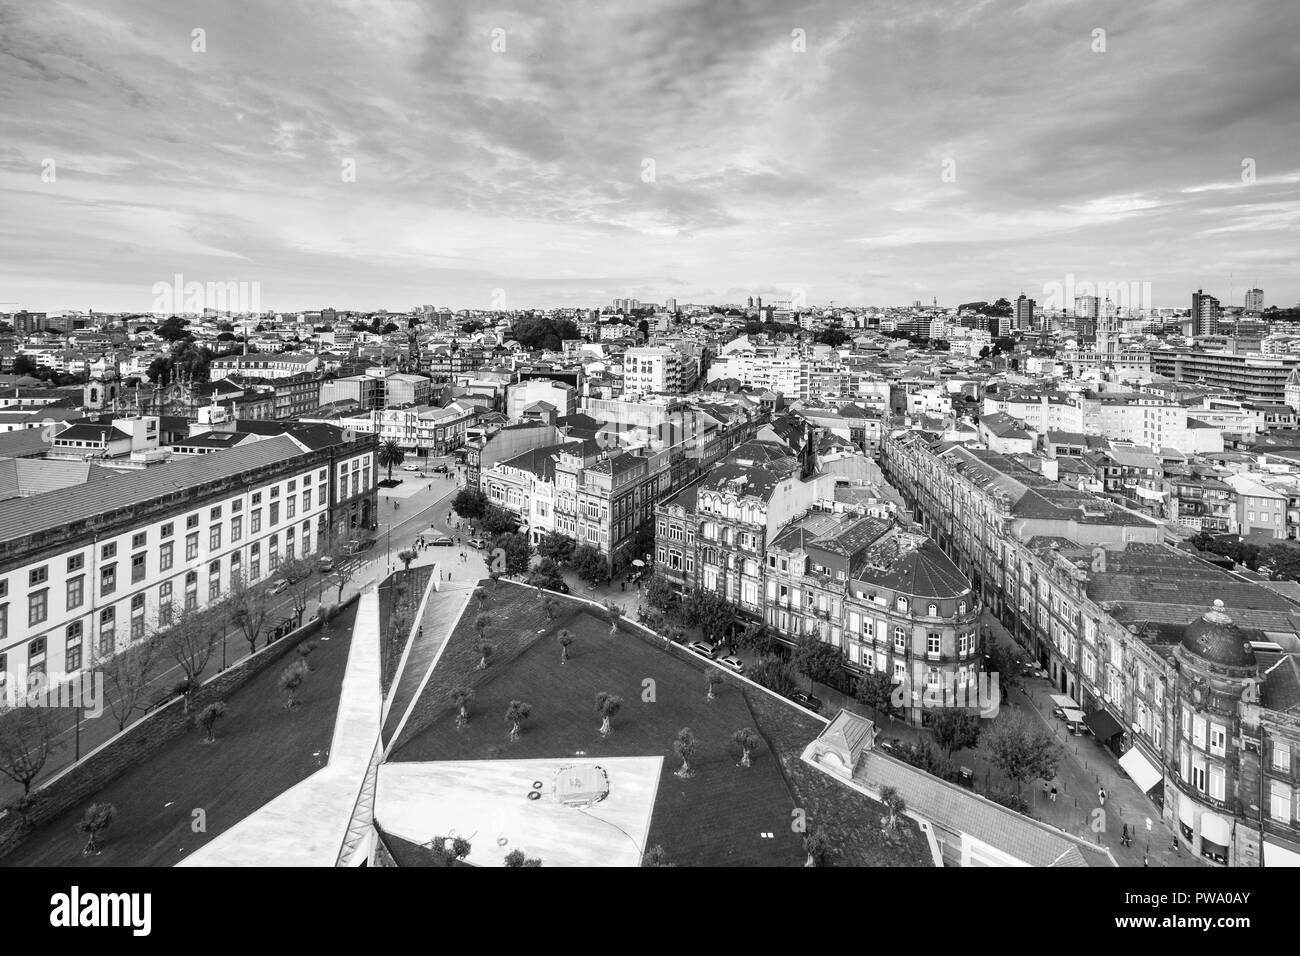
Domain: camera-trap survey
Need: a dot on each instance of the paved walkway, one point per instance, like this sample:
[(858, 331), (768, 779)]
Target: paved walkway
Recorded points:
[(307, 824)]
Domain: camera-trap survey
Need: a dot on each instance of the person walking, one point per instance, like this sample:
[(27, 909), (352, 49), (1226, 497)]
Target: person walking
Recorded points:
[(1053, 794), (1101, 795)]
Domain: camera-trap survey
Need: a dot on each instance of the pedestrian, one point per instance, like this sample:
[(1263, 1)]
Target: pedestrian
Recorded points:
[(622, 585), (1053, 794), (1144, 860), (1101, 795), (1123, 836)]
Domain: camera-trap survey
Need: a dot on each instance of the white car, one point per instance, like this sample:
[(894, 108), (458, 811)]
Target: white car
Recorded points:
[(279, 585), (410, 468), (732, 662)]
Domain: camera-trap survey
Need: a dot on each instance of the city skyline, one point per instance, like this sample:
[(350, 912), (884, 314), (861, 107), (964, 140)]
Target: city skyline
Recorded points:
[(501, 160)]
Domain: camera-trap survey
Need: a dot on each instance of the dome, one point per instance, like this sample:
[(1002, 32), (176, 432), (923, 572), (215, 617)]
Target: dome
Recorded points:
[(1214, 638)]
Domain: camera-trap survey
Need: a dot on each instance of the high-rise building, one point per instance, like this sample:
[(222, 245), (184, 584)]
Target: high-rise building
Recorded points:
[(670, 305), (749, 304), (758, 301), (1024, 312), (1254, 300), (1205, 314)]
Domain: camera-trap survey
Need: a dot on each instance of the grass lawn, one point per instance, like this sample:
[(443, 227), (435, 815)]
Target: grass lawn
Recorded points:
[(849, 820), (399, 599), (715, 818), (261, 751)]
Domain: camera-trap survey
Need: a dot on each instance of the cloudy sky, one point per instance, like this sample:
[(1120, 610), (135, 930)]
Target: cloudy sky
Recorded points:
[(564, 153)]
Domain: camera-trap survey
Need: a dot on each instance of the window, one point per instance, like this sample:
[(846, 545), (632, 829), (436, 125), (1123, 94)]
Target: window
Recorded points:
[(37, 606), (215, 513), (76, 563), (901, 604), (1281, 756), (107, 579), (1218, 739), (932, 610), (38, 576), (139, 540), (932, 643), (107, 632), (214, 538), (72, 649), (290, 507), (138, 567), (256, 524), (237, 505), (191, 546), (236, 529), (137, 617), (191, 590), (167, 530), (214, 580), (274, 517), (108, 551), (165, 603), (900, 639), (1198, 731), (192, 521), (1198, 772), (165, 556), (1217, 787), (1279, 801)]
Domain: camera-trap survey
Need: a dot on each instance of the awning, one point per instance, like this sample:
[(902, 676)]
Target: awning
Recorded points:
[(1072, 716), (1140, 769), (1060, 700), (1186, 812), (1103, 725), (1275, 855), (1215, 830)]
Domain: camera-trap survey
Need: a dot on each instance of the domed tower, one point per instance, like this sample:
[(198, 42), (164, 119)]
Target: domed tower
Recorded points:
[(1216, 668)]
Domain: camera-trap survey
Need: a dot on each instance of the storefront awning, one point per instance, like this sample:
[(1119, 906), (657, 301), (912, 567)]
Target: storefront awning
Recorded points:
[(1103, 725), (1140, 769), (1276, 855), (1215, 830), (1186, 812), (1060, 700), (1072, 716)]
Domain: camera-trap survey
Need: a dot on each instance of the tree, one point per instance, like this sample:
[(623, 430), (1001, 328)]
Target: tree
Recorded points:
[(656, 856), (659, 594), (895, 804), (291, 679), (876, 690), (406, 556), (127, 677), (747, 739), (684, 746), (517, 858), (518, 552), (711, 612), (612, 613), (1283, 562), (815, 846), (389, 455), (1021, 749), (816, 660), (208, 718), (485, 651), (499, 521), (833, 336), (460, 698), (445, 851), (470, 503), (759, 639), (565, 638), (712, 680), (192, 641), (589, 564), (774, 674), (547, 574), (550, 606), (556, 546), (249, 606), (27, 738), (297, 573), (1001, 658), (607, 706), (954, 728), (304, 652), (97, 818), (516, 714)]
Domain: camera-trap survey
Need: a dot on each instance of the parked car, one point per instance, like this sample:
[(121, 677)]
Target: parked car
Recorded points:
[(325, 565), (807, 700), (733, 662), (279, 585), (440, 470), (477, 543), (702, 647), (441, 541), (410, 468)]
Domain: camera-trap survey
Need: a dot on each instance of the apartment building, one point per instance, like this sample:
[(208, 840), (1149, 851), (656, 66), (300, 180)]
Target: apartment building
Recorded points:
[(89, 569), (604, 503), (264, 365), (1258, 377), (653, 370)]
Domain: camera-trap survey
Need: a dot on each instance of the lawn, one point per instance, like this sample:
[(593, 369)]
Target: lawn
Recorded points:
[(399, 599), (716, 818), (261, 750), (848, 819)]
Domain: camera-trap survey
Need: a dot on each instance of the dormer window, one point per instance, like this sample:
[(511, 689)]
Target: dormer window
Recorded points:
[(901, 604), (932, 610)]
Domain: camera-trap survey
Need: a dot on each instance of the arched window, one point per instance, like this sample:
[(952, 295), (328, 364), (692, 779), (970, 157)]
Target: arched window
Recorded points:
[(901, 604), (932, 610)]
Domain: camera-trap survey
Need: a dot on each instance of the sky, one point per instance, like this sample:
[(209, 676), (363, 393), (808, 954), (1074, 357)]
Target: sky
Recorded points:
[(367, 155)]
